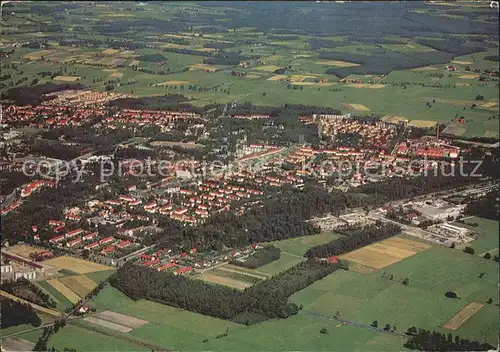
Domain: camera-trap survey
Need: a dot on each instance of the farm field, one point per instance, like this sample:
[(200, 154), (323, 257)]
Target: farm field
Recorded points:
[(386, 252), (77, 265), (64, 290), (285, 262), (99, 276), (461, 317), (374, 296), (177, 329), (80, 284)]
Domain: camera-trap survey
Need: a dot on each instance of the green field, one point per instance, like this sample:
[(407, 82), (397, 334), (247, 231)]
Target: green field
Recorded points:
[(99, 276), (62, 302), (86, 340), (182, 330), (487, 232), (299, 245), (368, 297), (285, 262)]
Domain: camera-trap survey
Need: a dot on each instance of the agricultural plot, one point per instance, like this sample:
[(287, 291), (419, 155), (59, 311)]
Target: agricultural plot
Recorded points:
[(62, 302), (24, 251), (224, 280), (461, 317), (14, 344), (358, 107), (67, 78), (81, 285), (77, 265), (64, 290), (285, 262), (386, 252), (337, 63), (115, 321), (89, 340), (363, 85)]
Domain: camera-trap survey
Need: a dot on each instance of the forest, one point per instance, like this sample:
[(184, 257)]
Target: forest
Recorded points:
[(34, 95), (486, 207), (16, 313), (267, 298), (426, 340), (355, 239)]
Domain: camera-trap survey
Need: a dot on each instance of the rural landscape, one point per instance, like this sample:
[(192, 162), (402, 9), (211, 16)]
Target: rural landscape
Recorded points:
[(249, 176)]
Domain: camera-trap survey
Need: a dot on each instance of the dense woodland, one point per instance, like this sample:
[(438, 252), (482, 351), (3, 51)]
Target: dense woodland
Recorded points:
[(268, 298), (30, 292), (34, 95), (426, 340), (486, 207), (355, 238), (16, 313)]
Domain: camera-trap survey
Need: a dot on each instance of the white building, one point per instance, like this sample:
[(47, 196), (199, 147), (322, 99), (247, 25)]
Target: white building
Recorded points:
[(29, 275), (6, 268)]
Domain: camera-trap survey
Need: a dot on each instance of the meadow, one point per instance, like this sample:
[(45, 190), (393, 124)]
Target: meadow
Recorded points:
[(181, 330), (422, 303)]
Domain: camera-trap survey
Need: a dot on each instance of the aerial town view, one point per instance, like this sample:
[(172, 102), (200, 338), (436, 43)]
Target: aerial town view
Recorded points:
[(249, 176)]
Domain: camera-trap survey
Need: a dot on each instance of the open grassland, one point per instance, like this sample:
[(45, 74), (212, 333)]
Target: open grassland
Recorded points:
[(24, 250), (299, 245), (366, 297), (442, 269), (89, 340), (64, 290), (77, 265), (461, 317), (80, 284), (386, 252)]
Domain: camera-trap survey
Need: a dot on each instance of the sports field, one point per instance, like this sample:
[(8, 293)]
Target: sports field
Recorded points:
[(77, 265)]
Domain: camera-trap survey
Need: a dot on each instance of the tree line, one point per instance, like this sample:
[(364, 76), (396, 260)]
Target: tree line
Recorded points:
[(268, 299), (17, 313), (426, 340), (355, 238), (486, 207)]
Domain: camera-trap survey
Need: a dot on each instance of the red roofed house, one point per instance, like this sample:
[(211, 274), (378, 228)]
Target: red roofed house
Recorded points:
[(91, 245), (183, 270), (74, 242)]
